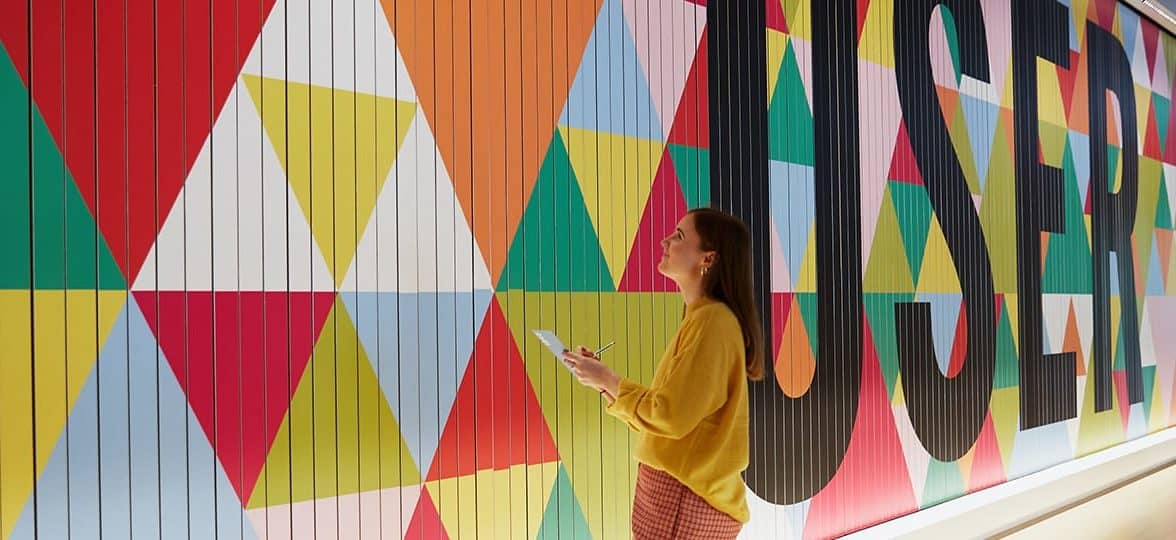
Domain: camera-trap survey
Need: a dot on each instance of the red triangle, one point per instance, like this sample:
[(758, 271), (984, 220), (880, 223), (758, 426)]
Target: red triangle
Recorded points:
[(1151, 138), (1120, 378), (999, 299), (115, 146), (426, 523), (959, 348), (902, 162), (862, 7), (1067, 78), (781, 306), (1151, 39), (775, 16), (666, 205), (873, 473), (1104, 13), (260, 356), (691, 121), (496, 422), (987, 468)]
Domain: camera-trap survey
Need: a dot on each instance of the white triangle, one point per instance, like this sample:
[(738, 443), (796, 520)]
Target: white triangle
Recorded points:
[(1170, 182), (666, 33), (917, 458), (881, 114), (1165, 363), (1072, 426), (1147, 347), (1160, 83), (296, 44), (781, 278), (1083, 317), (1139, 67), (1055, 310), (418, 239), (774, 520)]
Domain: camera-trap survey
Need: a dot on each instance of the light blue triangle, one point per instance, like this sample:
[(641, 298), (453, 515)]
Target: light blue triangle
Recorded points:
[(945, 314), (610, 93), (159, 475), (1129, 22), (1113, 264), (793, 204), (981, 117), (1040, 447), (434, 333), (1080, 151), (1155, 282), (1136, 422)]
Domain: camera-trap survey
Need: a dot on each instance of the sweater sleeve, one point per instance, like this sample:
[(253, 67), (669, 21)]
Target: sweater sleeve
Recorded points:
[(694, 387)]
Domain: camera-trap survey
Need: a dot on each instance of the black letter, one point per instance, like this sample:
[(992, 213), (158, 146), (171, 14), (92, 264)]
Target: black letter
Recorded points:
[(1112, 215), (947, 413), (1040, 28)]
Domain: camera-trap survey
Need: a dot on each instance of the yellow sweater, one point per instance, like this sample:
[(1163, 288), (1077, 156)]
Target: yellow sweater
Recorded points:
[(692, 422)]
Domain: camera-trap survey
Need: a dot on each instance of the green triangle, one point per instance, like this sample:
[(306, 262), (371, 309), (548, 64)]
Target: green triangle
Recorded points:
[(1119, 353), (808, 314), (790, 121), (944, 482), (693, 168), (888, 269), (996, 217), (1067, 259), (1160, 107), (913, 209), (1163, 206), (555, 248), (69, 253), (880, 314), (1112, 163), (1149, 386), (953, 42), (1008, 365), (563, 517)]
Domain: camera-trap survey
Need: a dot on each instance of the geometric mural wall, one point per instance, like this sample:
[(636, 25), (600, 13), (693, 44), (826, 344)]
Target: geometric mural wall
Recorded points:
[(271, 266)]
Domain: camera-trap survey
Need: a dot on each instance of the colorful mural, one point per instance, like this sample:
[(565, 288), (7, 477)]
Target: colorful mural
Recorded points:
[(272, 265)]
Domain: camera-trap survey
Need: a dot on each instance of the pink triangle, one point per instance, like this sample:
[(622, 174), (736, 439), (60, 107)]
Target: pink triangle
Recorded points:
[(781, 306), (254, 349), (426, 523), (903, 167), (987, 468), (873, 473), (691, 120), (666, 205), (1120, 378), (496, 421)]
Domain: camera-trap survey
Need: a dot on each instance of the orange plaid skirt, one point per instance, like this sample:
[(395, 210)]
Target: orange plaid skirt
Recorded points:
[(664, 508)]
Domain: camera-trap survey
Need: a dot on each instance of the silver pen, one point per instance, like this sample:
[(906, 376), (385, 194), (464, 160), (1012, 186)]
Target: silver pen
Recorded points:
[(604, 348)]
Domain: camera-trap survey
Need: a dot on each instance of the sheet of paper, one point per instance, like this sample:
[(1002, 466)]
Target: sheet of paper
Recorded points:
[(553, 344)]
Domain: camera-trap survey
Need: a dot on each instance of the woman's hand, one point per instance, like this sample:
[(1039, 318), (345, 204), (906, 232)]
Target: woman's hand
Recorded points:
[(591, 372)]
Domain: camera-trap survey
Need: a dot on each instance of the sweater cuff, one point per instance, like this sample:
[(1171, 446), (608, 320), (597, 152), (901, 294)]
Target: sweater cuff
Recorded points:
[(626, 402)]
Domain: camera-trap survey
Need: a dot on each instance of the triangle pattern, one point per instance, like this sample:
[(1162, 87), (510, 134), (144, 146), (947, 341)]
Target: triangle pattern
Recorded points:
[(873, 468), (939, 272), (665, 206), (987, 467), (795, 361), (664, 48), (349, 198), (999, 196), (426, 523), (358, 515), (790, 119), (882, 124), (913, 210), (944, 482), (425, 337), (880, 314), (981, 118), (793, 211), (1038, 448), (888, 269), (609, 73), (482, 432), (692, 120), (615, 174), (176, 486), (918, 461), (216, 342), (556, 247), (317, 453), (774, 17), (563, 517), (1067, 259), (693, 168), (903, 167), (1008, 374), (1164, 206), (1005, 411)]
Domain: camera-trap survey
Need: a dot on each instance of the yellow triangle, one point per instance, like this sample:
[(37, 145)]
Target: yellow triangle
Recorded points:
[(800, 20), (899, 398), (492, 503), (615, 173), (888, 269), (1050, 106), (337, 160), (1143, 105), (808, 264), (777, 43), (339, 430), (938, 274), (877, 41), (1010, 301), (1117, 26), (1078, 11), (1053, 143), (1006, 95), (70, 328)]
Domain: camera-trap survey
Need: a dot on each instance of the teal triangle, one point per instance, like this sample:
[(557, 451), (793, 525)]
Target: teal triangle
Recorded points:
[(563, 517), (555, 247), (1112, 164), (880, 314), (790, 120), (1161, 105), (68, 251), (953, 42), (1119, 354), (913, 208), (1149, 383), (610, 92), (1164, 206), (1067, 258), (808, 313), (1007, 364), (944, 482), (693, 168)]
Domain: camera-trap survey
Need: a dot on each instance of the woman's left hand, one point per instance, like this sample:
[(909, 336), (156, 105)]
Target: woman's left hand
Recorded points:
[(591, 372)]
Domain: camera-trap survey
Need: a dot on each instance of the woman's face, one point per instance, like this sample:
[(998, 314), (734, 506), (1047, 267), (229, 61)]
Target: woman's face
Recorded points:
[(682, 256)]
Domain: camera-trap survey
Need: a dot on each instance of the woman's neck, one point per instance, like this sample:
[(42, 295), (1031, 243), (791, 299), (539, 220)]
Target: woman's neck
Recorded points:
[(691, 292)]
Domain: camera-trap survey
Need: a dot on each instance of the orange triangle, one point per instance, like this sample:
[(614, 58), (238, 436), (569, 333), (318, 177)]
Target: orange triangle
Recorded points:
[(1066, 79), (1044, 247), (1078, 114), (1164, 244), (495, 410), (457, 63), (1006, 119), (949, 101), (1112, 125), (1072, 343)]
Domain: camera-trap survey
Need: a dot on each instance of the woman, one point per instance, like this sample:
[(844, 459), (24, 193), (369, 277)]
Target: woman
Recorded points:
[(692, 421)]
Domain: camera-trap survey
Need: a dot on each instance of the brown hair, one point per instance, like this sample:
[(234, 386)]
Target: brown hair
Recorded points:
[(730, 278)]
